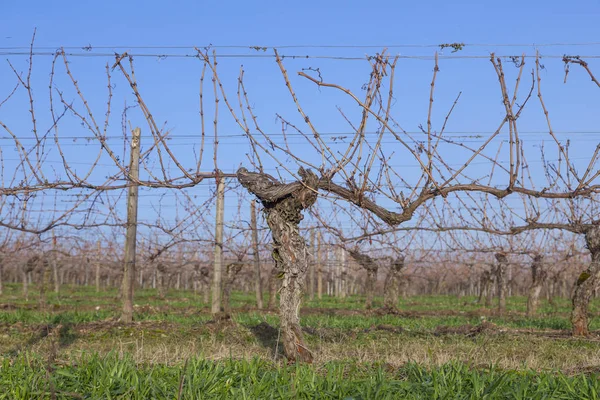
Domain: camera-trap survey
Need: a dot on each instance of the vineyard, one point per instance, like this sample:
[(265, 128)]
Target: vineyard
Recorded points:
[(253, 222)]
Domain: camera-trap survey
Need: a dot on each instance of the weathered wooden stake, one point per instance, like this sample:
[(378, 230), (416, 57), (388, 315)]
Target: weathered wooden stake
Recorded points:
[(501, 281), (1, 271), (141, 268), (127, 287), (319, 268), (98, 267), (311, 268), (55, 266), (218, 254)]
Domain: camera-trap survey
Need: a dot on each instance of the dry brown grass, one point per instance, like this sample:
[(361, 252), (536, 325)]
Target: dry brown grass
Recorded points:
[(170, 343)]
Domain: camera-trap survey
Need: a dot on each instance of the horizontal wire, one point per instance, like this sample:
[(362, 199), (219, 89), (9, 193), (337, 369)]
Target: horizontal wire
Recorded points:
[(89, 47), (274, 169), (292, 56), (456, 143), (458, 134)]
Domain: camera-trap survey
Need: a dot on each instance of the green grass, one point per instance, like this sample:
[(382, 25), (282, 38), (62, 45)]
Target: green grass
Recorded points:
[(83, 304), (112, 377), (431, 350)]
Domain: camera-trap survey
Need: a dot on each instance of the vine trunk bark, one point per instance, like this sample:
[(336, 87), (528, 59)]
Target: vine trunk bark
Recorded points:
[(283, 206), (391, 290), (273, 288), (538, 275), (161, 271), (231, 272), (585, 285), (502, 281), (371, 267), (29, 266), (483, 283)]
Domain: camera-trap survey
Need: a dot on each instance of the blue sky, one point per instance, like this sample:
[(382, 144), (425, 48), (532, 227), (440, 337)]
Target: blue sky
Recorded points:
[(170, 85), (110, 22)]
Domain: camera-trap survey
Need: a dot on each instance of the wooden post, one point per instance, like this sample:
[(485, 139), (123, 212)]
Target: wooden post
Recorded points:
[(311, 270), (154, 277), (319, 268), (501, 281), (471, 284), (330, 264), (339, 273), (161, 279), (26, 285), (131, 235), (258, 282), (86, 268), (344, 274), (509, 278), (218, 254), (1, 271), (141, 281), (55, 266), (141, 267), (98, 266)]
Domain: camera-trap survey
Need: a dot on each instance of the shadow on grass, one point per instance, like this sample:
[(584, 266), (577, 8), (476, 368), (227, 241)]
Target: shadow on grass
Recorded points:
[(66, 336), (269, 337), (62, 334)]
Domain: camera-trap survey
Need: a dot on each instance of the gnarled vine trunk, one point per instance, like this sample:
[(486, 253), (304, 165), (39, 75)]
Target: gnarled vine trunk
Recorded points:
[(39, 265), (391, 290), (161, 270), (205, 284), (484, 280), (29, 266), (487, 283), (538, 275), (502, 281), (283, 206), (370, 287), (231, 273), (43, 271), (273, 288), (370, 265), (585, 285)]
